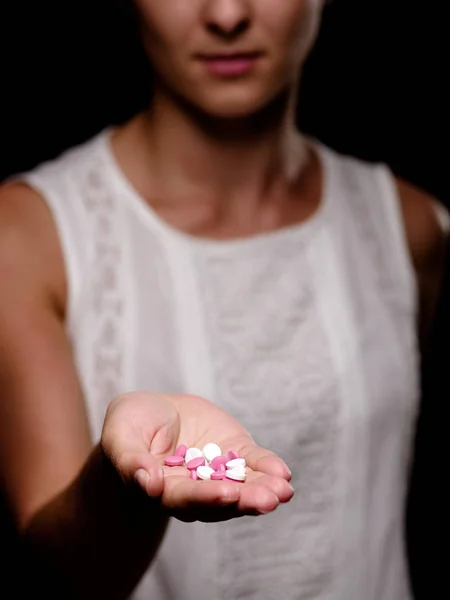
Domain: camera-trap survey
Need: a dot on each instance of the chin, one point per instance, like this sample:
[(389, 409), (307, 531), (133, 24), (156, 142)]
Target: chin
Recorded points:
[(231, 110), (234, 104)]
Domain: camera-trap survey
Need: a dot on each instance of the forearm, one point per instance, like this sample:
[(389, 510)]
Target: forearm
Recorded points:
[(96, 538)]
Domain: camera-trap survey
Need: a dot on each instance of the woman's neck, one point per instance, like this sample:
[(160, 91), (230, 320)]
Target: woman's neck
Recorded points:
[(202, 173), (225, 159)]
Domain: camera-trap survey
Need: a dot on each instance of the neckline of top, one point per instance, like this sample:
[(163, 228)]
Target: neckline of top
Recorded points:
[(153, 220)]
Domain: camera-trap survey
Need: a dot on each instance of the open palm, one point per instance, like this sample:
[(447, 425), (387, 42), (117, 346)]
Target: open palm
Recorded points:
[(141, 429)]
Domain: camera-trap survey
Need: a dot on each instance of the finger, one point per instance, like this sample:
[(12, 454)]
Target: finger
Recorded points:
[(266, 461), (205, 500), (257, 498), (279, 486), (184, 494), (175, 471), (215, 501)]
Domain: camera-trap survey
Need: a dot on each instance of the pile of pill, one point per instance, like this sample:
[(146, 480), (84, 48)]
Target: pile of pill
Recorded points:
[(209, 463)]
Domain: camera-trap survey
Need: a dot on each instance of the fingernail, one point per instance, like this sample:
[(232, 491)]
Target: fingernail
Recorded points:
[(228, 500), (142, 479), (229, 497)]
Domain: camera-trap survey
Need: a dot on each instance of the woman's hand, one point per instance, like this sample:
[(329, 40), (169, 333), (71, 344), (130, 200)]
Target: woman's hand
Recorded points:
[(141, 429)]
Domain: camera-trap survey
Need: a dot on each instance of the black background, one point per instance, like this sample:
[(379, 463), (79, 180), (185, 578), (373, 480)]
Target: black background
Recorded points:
[(375, 87)]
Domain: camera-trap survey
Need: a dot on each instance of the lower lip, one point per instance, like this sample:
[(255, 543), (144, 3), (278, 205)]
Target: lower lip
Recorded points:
[(231, 67)]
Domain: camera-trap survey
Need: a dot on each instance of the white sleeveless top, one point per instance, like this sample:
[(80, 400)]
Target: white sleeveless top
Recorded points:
[(306, 335)]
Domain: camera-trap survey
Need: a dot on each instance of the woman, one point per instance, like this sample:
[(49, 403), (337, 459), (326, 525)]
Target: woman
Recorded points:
[(253, 280)]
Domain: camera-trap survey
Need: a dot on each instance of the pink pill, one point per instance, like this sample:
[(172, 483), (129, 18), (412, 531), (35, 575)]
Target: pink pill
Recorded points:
[(222, 467), (216, 462), (181, 450), (195, 463), (193, 475), (218, 475), (174, 461), (232, 455)]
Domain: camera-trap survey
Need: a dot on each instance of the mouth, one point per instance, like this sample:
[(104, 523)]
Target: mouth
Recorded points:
[(230, 65)]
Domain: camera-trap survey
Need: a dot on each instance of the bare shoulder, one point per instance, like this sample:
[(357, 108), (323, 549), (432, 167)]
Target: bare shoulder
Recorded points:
[(427, 224), (427, 227), (29, 244)]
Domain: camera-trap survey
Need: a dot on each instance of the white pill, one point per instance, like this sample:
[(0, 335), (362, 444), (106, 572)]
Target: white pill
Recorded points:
[(235, 462), (211, 451), (205, 472), (239, 469), (192, 453), (236, 474)]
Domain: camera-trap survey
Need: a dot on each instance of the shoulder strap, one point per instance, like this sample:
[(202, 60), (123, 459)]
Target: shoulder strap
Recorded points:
[(65, 184), (372, 199)]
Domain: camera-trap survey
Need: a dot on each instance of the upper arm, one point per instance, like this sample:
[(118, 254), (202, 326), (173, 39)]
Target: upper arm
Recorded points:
[(427, 232), (44, 435)]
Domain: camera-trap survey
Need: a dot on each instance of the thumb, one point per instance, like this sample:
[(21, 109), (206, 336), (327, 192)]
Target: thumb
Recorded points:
[(140, 468), (128, 446), (148, 474)]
